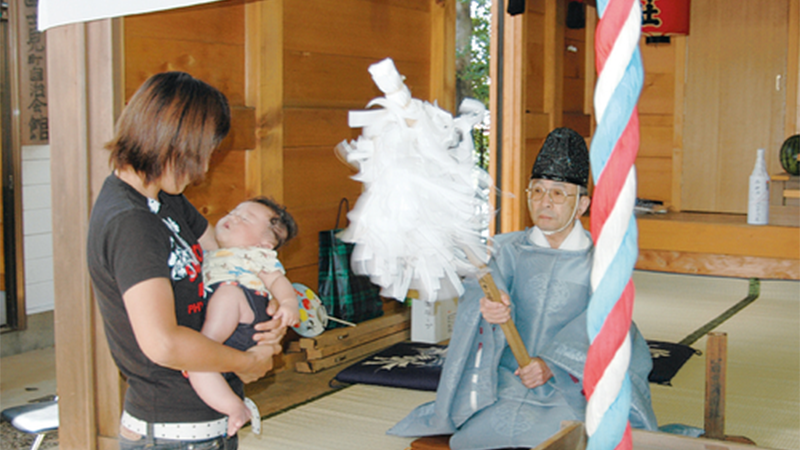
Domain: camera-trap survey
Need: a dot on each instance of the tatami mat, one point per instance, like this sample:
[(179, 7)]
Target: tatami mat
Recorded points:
[(354, 418), (763, 366), (763, 372)]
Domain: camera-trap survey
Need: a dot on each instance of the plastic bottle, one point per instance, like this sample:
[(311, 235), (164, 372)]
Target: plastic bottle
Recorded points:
[(758, 201)]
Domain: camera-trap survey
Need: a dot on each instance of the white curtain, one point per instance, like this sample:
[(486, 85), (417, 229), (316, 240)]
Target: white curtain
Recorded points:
[(59, 12)]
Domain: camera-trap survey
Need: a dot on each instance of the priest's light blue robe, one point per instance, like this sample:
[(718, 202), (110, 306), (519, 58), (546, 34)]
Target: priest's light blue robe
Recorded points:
[(479, 399)]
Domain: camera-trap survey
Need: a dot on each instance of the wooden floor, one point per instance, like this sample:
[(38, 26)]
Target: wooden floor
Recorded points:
[(288, 388)]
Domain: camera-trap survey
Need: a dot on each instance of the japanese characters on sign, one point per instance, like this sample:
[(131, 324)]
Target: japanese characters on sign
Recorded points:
[(32, 76), (665, 17)]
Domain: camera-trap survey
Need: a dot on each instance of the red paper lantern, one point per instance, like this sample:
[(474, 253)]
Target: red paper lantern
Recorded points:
[(665, 17)]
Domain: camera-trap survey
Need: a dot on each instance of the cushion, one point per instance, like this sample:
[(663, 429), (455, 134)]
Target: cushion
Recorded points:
[(416, 365), (410, 365), (668, 358)]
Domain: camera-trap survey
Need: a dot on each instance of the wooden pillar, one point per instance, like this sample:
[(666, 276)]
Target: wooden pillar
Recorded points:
[(264, 92), (443, 54), (495, 101), (792, 125), (513, 210), (677, 120), (82, 104), (555, 18), (716, 358)]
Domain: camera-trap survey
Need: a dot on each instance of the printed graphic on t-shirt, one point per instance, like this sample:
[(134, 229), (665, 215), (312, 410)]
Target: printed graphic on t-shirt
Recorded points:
[(185, 261), (182, 260)]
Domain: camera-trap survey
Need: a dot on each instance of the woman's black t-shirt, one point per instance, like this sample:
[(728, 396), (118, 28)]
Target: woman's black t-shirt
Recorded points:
[(134, 239)]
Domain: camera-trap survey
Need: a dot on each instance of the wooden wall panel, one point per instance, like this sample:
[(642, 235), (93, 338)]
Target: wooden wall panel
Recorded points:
[(220, 65), (654, 178), (223, 187), (734, 100), (574, 70), (314, 79), (573, 95), (206, 41), (582, 123), (207, 24), (373, 30), (654, 163), (658, 58), (655, 136), (317, 177), (304, 249), (574, 62), (657, 93), (241, 135), (308, 275), (329, 125)]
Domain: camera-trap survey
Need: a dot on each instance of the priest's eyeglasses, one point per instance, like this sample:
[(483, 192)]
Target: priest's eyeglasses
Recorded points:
[(557, 195)]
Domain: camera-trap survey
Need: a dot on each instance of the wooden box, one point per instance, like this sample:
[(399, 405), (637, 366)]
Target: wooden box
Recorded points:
[(784, 200), (344, 345)]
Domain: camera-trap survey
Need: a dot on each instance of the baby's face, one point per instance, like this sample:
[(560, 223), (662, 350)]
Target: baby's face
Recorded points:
[(249, 225)]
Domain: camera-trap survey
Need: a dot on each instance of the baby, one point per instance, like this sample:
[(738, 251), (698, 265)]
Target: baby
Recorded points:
[(242, 275)]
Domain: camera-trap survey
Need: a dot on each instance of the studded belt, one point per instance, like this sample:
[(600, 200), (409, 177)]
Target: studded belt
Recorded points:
[(191, 431)]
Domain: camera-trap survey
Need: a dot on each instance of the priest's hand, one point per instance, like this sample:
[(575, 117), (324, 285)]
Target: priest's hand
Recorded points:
[(535, 374), (496, 312)]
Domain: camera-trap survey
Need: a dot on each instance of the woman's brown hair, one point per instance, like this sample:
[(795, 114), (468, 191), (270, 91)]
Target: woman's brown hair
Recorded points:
[(173, 119)]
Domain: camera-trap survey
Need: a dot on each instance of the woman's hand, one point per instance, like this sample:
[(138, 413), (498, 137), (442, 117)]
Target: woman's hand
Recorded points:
[(271, 332), (535, 374), (261, 361), (495, 312), (269, 344)]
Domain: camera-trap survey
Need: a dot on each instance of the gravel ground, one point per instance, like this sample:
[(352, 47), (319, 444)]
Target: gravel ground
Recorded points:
[(12, 439)]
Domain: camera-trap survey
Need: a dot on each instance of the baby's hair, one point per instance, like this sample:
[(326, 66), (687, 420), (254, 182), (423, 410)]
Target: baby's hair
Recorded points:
[(284, 221)]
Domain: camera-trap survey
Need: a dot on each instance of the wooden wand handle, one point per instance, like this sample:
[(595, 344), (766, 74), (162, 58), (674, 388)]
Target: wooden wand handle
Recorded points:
[(486, 281), (509, 329)]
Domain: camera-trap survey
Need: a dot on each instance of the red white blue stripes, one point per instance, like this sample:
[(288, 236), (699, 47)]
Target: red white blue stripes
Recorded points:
[(613, 152)]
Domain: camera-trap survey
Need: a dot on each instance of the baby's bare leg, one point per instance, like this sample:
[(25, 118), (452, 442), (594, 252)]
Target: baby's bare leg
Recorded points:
[(225, 309), (214, 390)]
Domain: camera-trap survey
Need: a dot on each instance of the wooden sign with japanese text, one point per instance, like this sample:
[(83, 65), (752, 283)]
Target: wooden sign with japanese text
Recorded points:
[(31, 51)]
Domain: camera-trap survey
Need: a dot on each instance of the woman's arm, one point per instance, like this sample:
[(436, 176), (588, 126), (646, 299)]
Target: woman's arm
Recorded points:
[(207, 240), (151, 309)]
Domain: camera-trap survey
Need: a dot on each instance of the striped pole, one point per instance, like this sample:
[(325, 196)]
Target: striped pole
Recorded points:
[(613, 152)]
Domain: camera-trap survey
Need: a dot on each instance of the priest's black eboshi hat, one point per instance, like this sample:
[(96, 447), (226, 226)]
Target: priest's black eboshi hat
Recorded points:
[(563, 157)]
